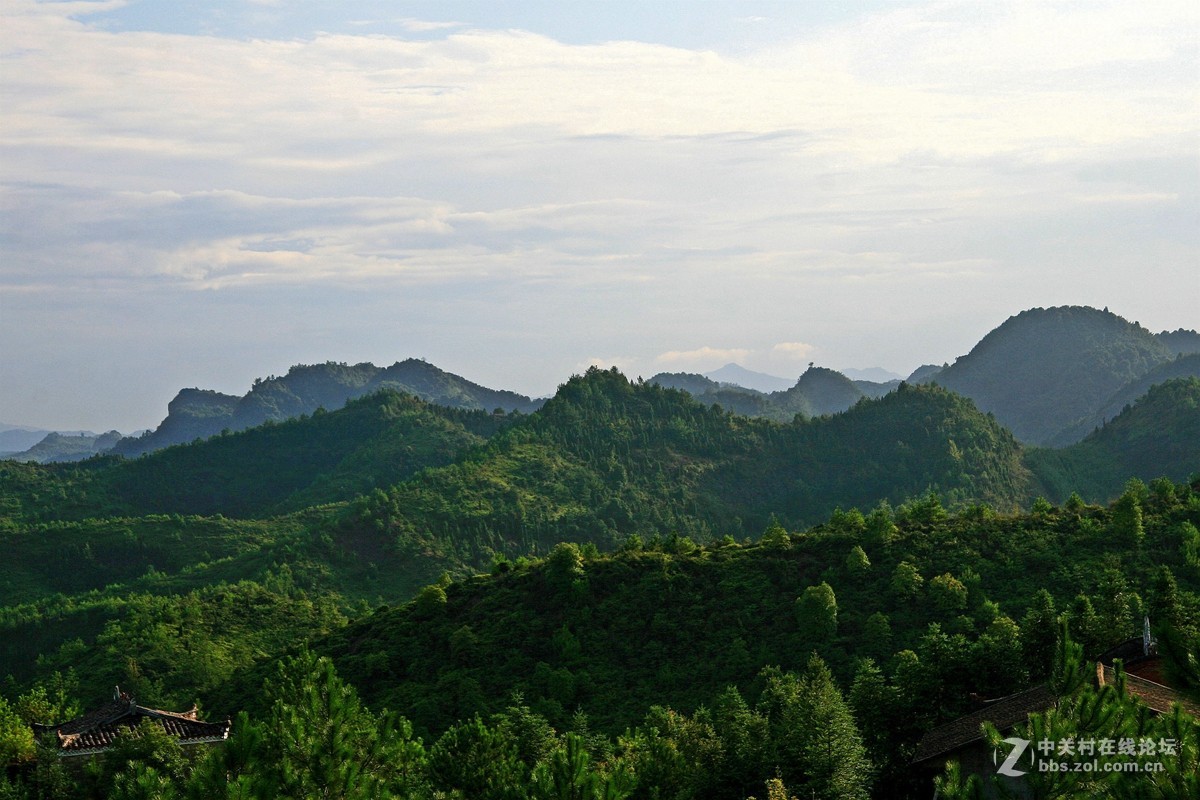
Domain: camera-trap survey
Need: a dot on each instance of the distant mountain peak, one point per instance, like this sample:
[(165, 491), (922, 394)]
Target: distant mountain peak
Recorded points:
[(749, 379), (873, 374), (1044, 369), (200, 413)]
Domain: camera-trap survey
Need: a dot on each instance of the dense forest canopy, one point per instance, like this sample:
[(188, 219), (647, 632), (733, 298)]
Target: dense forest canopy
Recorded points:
[(630, 591)]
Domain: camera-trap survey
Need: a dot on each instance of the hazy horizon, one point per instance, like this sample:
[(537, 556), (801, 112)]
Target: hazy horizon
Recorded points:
[(204, 196)]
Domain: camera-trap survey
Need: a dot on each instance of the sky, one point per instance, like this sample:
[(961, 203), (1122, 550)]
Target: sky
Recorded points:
[(199, 194)]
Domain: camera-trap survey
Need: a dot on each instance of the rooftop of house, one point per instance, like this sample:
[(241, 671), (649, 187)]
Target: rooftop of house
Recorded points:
[(1158, 697), (99, 728), (1003, 713), (1014, 709)]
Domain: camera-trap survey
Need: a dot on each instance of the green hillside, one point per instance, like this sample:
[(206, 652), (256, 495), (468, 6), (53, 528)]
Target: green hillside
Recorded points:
[(825, 391), (711, 550), (606, 458), (304, 389), (1183, 366), (374, 441), (943, 605), (1046, 370), (819, 391), (1160, 435), (56, 447)]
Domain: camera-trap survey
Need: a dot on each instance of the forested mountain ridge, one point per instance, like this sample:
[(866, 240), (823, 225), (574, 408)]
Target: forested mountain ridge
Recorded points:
[(606, 458), (817, 392), (627, 441), (176, 606), (1159, 433), (374, 441), (1181, 341), (1182, 366), (1046, 370), (913, 609), (196, 413), (55, 447), (1050, 375)]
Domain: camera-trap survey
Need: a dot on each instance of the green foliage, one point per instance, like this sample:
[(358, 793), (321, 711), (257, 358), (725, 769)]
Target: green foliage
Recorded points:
[(318, 741), (948, 594), (569, 774), (1043, 369), (1156, 436), (16, 737), (906, 581), (1127, 519), (816, 613), (857, 562), (1090, 712), (479, 761)]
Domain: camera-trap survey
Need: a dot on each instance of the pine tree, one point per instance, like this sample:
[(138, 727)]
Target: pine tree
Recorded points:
[(1038, 633), (816, 613), (1164, 598), (1127, 524)]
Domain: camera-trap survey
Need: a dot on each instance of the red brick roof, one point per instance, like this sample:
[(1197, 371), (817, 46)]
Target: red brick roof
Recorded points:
[(98, 729)]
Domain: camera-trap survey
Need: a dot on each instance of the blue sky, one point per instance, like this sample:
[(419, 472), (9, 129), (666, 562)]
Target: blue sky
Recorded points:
[(201, 194)]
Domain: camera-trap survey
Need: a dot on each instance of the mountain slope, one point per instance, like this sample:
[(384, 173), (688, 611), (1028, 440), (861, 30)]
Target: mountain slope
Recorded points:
[(605, 459), (196, 413), (374, 441), (1159, 436), (825, 391), (818, 392), (1181, 341), (674, 625), (1045, 370), (749, 379), (55, 447), (1184, 366), (735, 399), (899, 446)]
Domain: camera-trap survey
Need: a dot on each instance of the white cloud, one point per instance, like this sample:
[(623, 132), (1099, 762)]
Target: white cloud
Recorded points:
[(927, 161), (796, 351), (422, 26), (707, 356)]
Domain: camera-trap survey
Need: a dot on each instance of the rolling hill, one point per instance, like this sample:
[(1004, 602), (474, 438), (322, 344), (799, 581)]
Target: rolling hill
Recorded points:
[(196, 413), (1046, 370)]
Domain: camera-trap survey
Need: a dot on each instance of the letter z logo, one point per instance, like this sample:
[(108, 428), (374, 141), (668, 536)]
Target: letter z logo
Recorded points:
[(1009, 765)]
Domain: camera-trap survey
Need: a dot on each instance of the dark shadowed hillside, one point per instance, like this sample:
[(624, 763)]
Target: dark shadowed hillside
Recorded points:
[(1181, 341), (1184, 366), (1045, 370), (824, 391), (374, 441), (1158, 435)]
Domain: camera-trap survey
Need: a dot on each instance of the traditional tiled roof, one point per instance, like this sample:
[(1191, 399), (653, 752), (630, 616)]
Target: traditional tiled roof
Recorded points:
[(1158, 697), (98, 729), (1014, 709), (1003, 713)]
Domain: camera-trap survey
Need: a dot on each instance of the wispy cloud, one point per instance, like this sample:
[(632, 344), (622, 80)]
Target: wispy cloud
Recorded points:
[(797, 351), (932, 160), (422, 25), (705, 356)]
